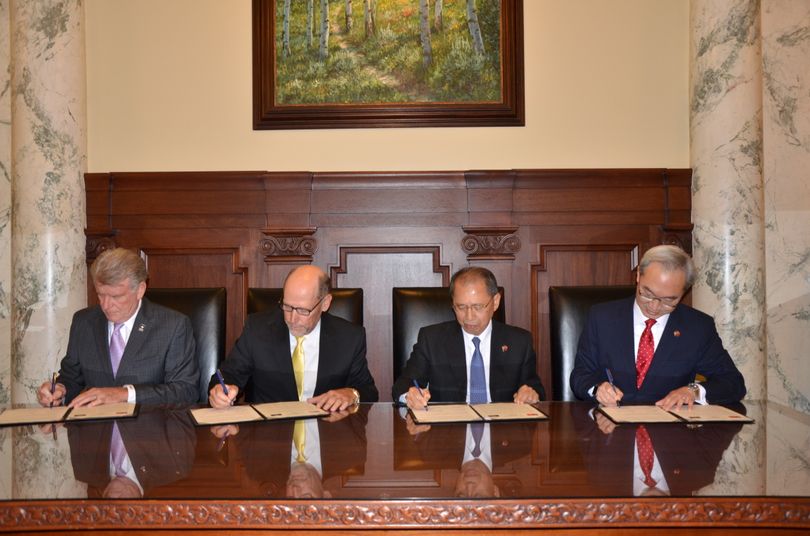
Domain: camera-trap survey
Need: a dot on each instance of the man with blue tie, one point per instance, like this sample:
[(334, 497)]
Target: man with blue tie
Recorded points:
[(471, 359), (653, 345)]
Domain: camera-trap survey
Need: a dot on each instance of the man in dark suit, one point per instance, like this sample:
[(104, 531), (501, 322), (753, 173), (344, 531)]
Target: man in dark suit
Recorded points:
[(472, 359), (126, 349), (653, 345), (129, 457), (299, 352)]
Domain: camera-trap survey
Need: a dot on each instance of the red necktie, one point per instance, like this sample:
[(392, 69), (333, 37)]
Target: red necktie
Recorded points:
[(645, 454), (646, 349)]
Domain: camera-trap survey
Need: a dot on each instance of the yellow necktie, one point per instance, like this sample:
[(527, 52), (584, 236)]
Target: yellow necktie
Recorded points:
[(298, 365), (300, 438)]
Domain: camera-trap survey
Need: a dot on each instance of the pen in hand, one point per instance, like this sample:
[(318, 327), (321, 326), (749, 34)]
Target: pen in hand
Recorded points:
[(53, 387), (420, 391), (610, 380), (222, 382)]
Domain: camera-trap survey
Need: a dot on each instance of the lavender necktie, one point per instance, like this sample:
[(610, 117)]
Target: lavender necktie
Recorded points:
[(116, 347), (118, 452)]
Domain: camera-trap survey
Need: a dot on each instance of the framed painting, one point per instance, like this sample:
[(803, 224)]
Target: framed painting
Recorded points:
[(387, 63)]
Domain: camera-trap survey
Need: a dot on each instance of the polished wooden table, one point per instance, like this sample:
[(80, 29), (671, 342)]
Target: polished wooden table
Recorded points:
[(373, 470)]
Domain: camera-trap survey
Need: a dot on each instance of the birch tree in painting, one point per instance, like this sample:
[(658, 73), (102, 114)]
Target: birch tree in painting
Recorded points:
[(475, 28), (424, 33), (310, 22), (285, 34), (348, 16), (368, 17), (438, 21), (323, 52)]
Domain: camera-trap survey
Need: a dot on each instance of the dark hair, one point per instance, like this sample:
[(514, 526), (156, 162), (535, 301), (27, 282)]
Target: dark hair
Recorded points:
[(472, 273)]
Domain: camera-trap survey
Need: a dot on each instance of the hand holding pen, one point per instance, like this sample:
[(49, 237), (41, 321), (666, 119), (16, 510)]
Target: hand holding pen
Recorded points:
[(222, 395), (51, 393), (607, 393), (417, 398)]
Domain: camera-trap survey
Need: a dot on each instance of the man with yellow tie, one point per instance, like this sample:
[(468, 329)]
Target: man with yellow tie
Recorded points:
[(298, 352)]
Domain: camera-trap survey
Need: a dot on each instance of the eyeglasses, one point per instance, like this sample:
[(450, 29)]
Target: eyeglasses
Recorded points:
[(300, 310), (649, 297), (476, 307)]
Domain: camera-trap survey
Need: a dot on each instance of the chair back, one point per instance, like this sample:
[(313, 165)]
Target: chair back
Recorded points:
[(416, 307), (568, 312), (347, 303), (206, 308)]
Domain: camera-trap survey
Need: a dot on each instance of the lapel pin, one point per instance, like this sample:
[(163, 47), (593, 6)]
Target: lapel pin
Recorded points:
[(141, 328), (504, 348), (677, 333)]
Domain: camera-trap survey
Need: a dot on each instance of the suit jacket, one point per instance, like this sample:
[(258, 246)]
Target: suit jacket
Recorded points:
[(262, 357), (438, 359), (690, 345), (158, 359), (688, 455), (160, 444)]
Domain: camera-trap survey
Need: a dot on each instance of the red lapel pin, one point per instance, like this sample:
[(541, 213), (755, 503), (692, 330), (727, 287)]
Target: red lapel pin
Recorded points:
[(504, 348), (677, 333)]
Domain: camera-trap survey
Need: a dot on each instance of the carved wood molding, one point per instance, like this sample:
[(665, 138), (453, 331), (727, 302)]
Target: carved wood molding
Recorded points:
[(407, 514), (677, 235), (291, 245), (97, 243), (490, 243), (345, 251)]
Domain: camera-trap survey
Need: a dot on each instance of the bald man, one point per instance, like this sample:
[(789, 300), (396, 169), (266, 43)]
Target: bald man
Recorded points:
[(298, 352)]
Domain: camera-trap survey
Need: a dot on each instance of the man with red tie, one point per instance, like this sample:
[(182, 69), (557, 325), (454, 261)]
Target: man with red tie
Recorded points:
[(653, 345)]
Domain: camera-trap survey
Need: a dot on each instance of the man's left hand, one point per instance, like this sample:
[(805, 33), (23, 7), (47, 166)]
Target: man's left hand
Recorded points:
[(334, 400), (97, 396), (677, 397), (526, 395)]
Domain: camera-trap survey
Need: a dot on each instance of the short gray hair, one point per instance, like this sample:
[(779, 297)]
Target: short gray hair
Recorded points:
[(671, 258), (117, 265)]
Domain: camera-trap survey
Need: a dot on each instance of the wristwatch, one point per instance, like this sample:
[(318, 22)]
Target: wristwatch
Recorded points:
[(695, 388), (356, 396)]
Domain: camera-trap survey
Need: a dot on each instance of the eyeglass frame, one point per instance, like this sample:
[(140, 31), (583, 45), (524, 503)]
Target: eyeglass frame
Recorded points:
[(476, 307), (665, 303), (303, 311)]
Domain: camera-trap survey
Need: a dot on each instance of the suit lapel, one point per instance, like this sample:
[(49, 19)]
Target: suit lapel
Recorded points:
[(279, 332), (102, 341), (137, 337), (626, 344), (667, 344), (454, 348), (497, 343), (324, 360)]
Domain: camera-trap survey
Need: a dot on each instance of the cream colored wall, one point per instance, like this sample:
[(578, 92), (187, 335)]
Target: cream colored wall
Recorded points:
[(169, 88)]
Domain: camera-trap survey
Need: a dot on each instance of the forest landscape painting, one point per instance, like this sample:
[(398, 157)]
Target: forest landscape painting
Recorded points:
[(356, 63)]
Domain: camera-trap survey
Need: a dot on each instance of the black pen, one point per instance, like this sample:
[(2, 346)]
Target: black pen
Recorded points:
[(610, 380), (420, 391), (53, 387)]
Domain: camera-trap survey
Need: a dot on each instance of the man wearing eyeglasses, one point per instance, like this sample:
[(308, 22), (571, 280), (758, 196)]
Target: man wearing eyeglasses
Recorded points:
[(474, 358), (298, 352), (653, 346)]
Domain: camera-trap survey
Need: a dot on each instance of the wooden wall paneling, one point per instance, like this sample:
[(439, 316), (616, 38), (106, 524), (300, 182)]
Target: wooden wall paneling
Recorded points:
[(377, 269), (197, 267), (574, 264)]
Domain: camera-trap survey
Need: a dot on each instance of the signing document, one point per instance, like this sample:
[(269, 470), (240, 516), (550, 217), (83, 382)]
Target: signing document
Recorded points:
[(445, 413), (104, 411), (289, 410), (33, 415), (231, 414), (710, 413), (508, 411), (638, 414)]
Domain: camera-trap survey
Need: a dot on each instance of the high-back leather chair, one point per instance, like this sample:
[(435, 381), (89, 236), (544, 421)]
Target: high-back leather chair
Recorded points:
[(568, 312), (206, 308), (417, 307), (347, 303)]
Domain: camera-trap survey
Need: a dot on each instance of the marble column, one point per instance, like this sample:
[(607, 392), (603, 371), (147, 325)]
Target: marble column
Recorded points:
[(5, 207), (727, 191), (49, 157), (786, 127)]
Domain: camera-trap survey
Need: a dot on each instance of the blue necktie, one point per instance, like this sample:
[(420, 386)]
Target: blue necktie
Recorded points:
[(478, 381)]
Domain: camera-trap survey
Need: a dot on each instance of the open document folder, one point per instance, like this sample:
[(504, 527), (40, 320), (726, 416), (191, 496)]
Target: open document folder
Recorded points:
[(496, 411), (653, 414), (64, 413), (256, 412)]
